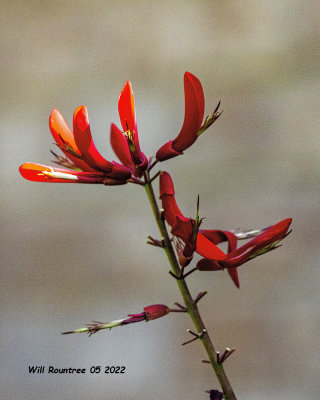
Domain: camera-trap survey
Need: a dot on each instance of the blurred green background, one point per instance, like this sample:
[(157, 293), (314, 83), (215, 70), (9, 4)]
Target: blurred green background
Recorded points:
[(73, 253)]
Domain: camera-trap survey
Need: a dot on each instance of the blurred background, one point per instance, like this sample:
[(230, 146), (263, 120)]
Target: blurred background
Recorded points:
[(76, 253)]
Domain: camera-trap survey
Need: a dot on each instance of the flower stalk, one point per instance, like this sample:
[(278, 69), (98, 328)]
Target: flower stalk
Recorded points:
[(190, 303)]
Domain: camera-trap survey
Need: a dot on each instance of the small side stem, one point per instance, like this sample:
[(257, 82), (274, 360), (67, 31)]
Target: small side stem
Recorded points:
[(190, 303)]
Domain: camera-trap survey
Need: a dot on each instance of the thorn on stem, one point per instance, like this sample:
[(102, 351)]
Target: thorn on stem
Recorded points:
[(196, 336), (154, 242), (162, 214), (180, 306), (182, 276), (155, 176), (226, 354), (200, 295)]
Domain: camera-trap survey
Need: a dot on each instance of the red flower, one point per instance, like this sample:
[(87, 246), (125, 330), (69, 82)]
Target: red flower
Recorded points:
[(266, 241), (191, 128), (182, 227), (85, 164), (126, 144)]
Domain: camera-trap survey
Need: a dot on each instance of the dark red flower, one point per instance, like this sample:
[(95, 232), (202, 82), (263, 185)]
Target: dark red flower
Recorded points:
[(182, 227), (84, 163), (126, 144), (191, 128), (266, 241)]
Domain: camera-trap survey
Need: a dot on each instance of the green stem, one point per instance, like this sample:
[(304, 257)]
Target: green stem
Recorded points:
[(190, 303)]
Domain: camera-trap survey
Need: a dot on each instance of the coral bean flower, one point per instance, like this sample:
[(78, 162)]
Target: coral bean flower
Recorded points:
[(266, 241), (126, 144), (149, 313), (183, 227), (84, 163), (191, 128)]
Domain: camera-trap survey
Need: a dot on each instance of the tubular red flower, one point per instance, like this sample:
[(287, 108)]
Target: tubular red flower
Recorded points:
[(266, 241), (194, 111), (86, 164), (45, 173), (181, 226)]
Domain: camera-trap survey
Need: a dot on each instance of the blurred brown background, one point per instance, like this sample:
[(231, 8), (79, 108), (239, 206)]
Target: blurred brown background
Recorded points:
[(73, 253)]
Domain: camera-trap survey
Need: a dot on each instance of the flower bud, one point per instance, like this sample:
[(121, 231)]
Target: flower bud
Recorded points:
[(156, 311)]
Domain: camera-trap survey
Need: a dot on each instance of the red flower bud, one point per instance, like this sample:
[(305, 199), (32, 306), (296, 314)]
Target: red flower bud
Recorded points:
[(156, 311)]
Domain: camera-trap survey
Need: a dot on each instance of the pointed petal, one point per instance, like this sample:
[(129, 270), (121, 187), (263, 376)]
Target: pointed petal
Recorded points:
[(207, 249), (128, 121), (45, 173), (233, 273), (84, 141), (120, 146), (64, 138), (218, 236), (126, 108)]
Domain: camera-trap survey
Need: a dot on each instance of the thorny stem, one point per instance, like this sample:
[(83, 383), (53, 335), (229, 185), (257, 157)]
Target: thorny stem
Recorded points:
[(190, 303)]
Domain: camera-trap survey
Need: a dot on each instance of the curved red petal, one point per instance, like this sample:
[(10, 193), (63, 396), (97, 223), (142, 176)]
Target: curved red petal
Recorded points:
[(84, 141), (269, 236), (127, 115), (126, 108), (45, 173), (218, 236), (207, 249), (171, 209), (64, 138), (120, 146), (194, 111), (166, 184)]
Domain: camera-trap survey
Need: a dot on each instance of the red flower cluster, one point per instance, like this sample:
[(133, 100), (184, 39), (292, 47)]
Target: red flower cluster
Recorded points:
[(205, 242), (84, 164)]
